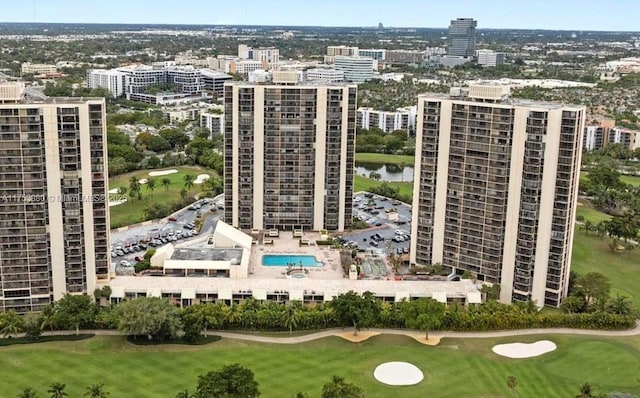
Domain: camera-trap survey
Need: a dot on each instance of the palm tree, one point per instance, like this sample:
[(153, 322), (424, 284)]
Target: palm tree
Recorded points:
[(165, 183), (96, 391), (620, 305), (151, 185), (28, 392), (291, 318), (188, 181), (512, 383), (183, 194), (57, 390), (11, 324), (134, 187)]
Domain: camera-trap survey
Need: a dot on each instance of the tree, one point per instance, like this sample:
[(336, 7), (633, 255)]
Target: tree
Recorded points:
[(183, 394), (28, 392), (188, 181), (512, 383), (291, 317), (338, 388), (10, 324), (32, 326), (586, 391), (75, 311), (231, 381), (424, 314), (134, 187), (594, 287), (166, 182), (57, 390), (151, 185), (620, 305), (183, 194), (153, 317), (176, 139), (352, 308), (96, 391), (374, 176)]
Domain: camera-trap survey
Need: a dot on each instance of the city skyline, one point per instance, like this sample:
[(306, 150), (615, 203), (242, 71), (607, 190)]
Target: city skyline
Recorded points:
[(572, 15)]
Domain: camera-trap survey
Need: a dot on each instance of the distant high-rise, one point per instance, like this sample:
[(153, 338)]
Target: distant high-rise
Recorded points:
[(462, 38), (289, 154), (496, 190), (54, 214)]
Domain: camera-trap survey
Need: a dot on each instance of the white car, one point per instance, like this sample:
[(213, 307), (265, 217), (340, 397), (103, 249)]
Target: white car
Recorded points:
[(124, 263), (399, 232), (357, 199)]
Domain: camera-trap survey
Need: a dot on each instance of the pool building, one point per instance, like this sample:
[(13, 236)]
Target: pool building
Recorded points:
[(231, 266)]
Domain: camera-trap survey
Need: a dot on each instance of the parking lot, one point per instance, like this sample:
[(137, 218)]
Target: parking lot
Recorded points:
[(387, 234), (128, 246)]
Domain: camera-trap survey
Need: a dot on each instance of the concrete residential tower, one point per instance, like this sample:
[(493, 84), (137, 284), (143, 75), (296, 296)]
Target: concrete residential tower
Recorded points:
[(289, 154), (54, 215), (496, 189)]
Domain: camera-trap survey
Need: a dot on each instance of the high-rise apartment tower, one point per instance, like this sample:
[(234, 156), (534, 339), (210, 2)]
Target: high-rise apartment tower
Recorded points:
[(289, 154), (495, 189), (54, 214)]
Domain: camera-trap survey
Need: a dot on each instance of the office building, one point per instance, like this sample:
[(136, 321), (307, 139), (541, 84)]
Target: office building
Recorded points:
[(333, 51), (36, 69), (375, 53), (267, 56), (496, 189), (401, 119), (326, 75), (356, 69), (462, 38), (289, 154), (401, 57), (54, 215), (490, 58)]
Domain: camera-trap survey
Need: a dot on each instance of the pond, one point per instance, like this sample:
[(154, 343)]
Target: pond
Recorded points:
[(388, 172)]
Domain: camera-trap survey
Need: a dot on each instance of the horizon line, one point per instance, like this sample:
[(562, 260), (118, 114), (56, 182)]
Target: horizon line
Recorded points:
[(307, 26)]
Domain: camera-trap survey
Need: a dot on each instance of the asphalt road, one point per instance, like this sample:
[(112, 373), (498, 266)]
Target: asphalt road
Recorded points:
[(388, 228)]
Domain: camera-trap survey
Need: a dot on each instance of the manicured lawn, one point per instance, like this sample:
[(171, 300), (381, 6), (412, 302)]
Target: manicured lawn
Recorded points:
[(361, 183), (591, 214), (132, 211), (592, 254), (381, 158), (456, 368), (630, 180)]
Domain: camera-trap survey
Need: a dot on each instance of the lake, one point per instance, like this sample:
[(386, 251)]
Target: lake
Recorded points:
[(388, 172)]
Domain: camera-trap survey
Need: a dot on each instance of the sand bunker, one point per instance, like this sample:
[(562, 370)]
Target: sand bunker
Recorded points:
[(398, 374), (524, 350), (201, 178), (142, 181), (117, 202), (162, 172), (360, 337), (114, 190)]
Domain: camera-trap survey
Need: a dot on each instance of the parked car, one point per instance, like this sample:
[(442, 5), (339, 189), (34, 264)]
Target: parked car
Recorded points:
[(173, 219), (399, 250), (405, 250)]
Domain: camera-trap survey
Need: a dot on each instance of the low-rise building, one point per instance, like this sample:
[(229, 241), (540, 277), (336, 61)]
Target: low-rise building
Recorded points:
[(29, 68), (401, 119), (325, 74), (490, 58)]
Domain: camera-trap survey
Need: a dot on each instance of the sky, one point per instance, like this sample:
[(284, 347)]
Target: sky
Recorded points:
[(612, 15)]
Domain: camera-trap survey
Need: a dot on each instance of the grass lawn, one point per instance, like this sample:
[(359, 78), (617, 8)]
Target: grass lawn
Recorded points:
[(132, 211), (361, 183), (592, 254), (456, 368), (591, 214), (630, 180), (382, 158)]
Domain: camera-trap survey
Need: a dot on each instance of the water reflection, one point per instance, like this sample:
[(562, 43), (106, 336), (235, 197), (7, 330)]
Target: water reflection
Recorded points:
[(388, 172)]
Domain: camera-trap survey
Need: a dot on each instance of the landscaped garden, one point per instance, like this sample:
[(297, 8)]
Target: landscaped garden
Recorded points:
[(134, 210), (455, 368)]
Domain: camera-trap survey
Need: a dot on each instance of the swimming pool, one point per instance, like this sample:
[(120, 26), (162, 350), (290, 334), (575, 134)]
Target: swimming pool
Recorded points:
[(283, 260)]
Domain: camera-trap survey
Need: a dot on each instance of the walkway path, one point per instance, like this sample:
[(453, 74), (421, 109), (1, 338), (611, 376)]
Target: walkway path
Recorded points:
[(336, 332)]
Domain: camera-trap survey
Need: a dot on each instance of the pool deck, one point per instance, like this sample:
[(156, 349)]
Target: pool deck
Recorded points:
[(287, 244)]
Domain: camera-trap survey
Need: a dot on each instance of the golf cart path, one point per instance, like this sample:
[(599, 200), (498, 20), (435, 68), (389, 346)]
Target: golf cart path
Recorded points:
[(410, 333)]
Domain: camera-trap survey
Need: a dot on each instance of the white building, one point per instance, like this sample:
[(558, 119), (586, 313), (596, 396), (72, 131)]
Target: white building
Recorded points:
[(401, 119), (113, 80), (213, 122), (375, 53), (268, 56), (356, 69), (490, 58), (325, 74), (244, 67)]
